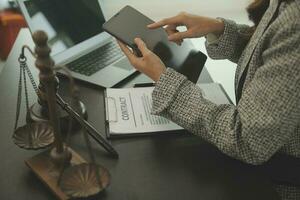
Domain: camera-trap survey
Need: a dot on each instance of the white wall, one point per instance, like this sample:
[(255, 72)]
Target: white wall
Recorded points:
[(160, 8), (3, 4)]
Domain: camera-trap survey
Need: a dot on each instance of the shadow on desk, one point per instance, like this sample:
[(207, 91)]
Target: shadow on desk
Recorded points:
[(179, 167)]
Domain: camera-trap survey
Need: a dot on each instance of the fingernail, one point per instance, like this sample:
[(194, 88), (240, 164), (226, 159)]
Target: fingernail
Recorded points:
[(139, 39), (169, 38)]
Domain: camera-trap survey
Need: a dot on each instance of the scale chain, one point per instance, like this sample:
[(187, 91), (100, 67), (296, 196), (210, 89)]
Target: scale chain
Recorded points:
[(25, 87), (22, 79), (19, 98), (31, 79)]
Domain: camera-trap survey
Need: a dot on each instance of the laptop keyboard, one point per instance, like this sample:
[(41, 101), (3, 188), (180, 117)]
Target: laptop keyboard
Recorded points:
[(98, 59)]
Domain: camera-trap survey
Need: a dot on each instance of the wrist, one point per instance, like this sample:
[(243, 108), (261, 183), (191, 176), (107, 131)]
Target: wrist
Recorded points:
[(158, 75), (218, 27)]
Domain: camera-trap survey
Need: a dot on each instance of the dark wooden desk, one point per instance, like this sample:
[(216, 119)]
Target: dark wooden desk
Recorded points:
[(158, 167)]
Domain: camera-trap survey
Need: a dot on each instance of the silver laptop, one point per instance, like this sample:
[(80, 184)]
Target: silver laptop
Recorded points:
[(74, 28)]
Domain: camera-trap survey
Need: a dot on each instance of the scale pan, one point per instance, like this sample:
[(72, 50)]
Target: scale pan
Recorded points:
[(80, 181), (34, 136)]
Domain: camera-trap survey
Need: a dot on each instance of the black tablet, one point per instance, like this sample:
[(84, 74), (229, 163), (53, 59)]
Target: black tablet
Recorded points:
[(129, 24)]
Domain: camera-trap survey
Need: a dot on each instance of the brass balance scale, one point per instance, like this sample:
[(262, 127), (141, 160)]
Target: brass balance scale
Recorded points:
[(64, 171)]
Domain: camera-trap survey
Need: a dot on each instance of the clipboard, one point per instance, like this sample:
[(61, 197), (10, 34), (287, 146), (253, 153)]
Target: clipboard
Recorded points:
[(143, 124), (107, 117), (128, 111), (107, 133)]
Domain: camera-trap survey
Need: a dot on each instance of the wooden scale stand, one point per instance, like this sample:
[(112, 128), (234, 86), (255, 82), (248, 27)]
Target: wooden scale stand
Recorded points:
[(64, 171)]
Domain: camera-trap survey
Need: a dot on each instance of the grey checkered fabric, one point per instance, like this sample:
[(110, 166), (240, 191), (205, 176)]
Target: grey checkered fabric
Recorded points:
[(267, 117)]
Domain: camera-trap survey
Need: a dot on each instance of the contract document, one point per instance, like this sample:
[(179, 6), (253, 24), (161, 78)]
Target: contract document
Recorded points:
[(128, 110)]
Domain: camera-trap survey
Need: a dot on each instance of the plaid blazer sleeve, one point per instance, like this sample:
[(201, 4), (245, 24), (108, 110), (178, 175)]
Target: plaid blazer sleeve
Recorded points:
[(231, 43), (265, 118)]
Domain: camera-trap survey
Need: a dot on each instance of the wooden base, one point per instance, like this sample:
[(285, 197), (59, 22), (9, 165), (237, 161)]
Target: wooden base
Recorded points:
[(44, 168)]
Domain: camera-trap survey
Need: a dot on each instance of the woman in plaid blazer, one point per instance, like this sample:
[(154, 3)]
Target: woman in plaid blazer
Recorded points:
[(266, 119)]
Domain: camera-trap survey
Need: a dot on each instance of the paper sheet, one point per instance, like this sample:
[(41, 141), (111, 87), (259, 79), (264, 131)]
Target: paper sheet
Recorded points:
[(128, 110)]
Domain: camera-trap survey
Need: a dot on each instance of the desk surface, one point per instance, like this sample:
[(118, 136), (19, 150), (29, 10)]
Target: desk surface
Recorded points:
[(157, 167)]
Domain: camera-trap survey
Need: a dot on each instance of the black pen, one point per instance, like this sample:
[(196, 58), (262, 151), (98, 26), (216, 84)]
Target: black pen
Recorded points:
[(144, 85), (88, 127)]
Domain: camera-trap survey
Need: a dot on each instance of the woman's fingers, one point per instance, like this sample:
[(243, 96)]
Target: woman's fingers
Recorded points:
[(142, 46), (172, 30), (131, 57), (158, 24), (149, 64), (179, 36), (177, 20)]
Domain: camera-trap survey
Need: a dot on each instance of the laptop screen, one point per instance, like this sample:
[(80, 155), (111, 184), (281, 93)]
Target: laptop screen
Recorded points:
[(67, 22)]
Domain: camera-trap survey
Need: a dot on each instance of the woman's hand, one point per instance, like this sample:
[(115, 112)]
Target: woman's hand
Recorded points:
[(149, 64), (197, 26)]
